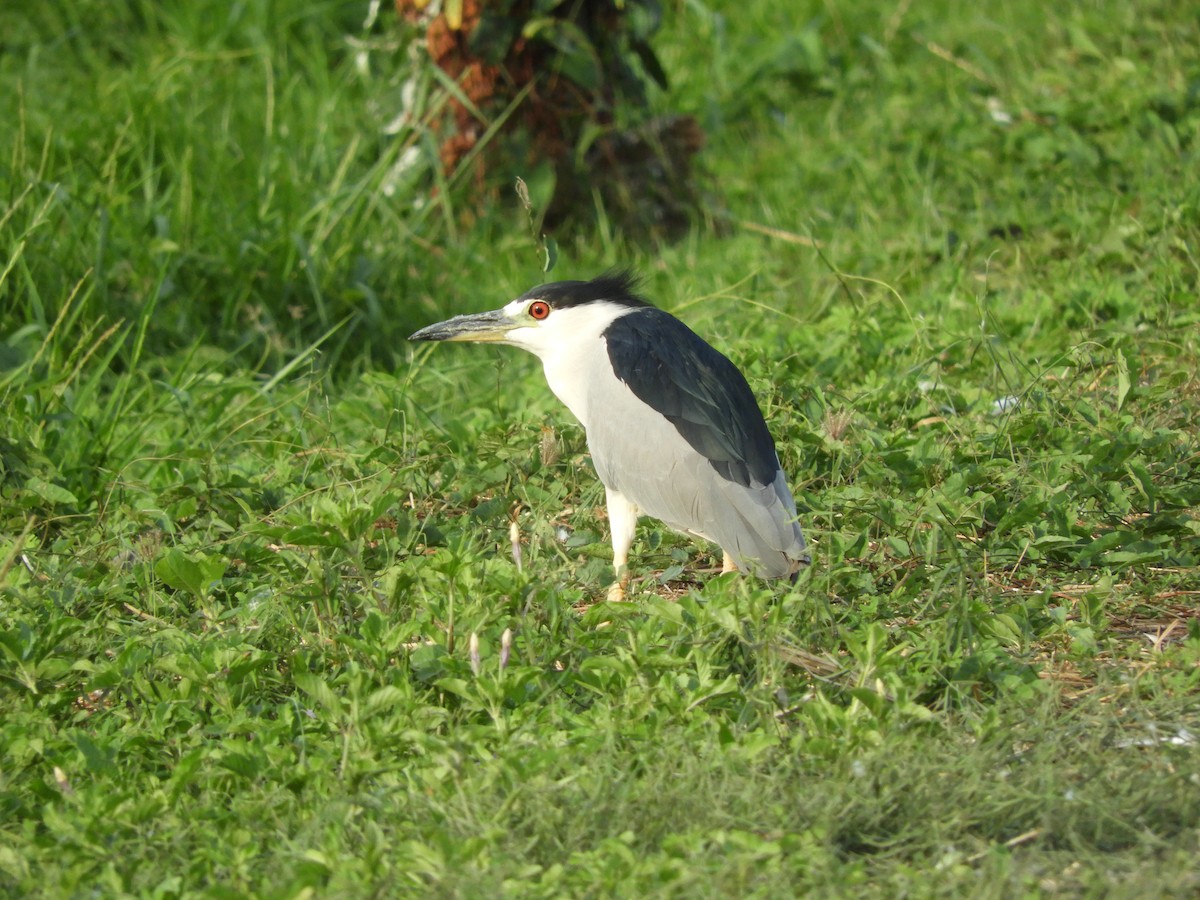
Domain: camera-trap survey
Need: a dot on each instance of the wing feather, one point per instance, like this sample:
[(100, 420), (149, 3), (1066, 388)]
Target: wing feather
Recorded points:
[(702, 397), (702, 394)]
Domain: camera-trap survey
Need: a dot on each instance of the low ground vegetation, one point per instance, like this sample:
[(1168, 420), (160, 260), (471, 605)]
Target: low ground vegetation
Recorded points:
[(263, 624)]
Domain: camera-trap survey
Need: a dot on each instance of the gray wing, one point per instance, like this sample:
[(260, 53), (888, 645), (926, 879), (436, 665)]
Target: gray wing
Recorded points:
[(704, 396)]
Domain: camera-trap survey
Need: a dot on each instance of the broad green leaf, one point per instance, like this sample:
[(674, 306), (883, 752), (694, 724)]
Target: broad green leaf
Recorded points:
[(320, 691), (384, 698), (460, 687), (1004, 628), (212, 569), (180, 572), (51, 493)]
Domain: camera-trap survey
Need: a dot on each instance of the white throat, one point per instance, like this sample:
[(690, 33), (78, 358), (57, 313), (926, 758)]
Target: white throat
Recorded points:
[(573, 351)]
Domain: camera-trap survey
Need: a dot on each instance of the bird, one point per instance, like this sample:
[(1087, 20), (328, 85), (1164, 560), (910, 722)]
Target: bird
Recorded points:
[(673, 428)]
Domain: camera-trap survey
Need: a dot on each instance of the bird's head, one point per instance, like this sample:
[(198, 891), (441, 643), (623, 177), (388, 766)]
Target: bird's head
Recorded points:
[(547, 319)]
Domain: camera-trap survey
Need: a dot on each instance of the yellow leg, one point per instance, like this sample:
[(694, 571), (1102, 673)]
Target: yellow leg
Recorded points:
[(622, 522), (616, 593), (728, 565)]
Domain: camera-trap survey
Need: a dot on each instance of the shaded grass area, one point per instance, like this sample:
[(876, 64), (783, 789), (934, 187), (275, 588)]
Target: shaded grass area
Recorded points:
[(246, 534)]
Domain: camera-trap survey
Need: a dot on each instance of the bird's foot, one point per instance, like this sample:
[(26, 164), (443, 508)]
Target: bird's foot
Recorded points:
[(728, 565), (616, 593)]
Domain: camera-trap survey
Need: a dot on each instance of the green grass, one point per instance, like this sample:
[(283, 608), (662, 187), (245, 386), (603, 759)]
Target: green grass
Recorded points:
[(247, 532)]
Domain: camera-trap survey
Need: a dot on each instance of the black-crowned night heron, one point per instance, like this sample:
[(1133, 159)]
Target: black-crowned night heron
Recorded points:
[(673, 427)]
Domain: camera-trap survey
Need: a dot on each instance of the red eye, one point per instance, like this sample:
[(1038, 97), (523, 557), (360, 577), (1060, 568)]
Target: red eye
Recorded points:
[(539, 309)]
